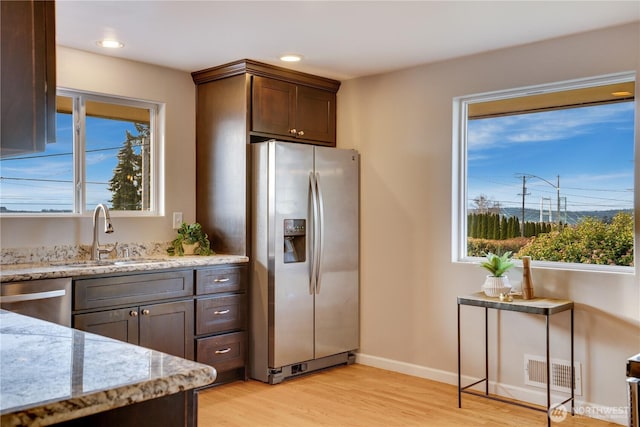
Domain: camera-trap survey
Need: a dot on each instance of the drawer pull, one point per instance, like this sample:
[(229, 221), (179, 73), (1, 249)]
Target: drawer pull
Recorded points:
[(226, 350), (221, 312), (224, 279)]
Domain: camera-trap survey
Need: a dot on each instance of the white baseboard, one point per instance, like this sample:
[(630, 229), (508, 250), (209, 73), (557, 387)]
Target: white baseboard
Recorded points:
[(617, 415)]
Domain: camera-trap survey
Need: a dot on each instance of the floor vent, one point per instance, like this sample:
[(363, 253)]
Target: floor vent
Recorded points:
[(535, 374)]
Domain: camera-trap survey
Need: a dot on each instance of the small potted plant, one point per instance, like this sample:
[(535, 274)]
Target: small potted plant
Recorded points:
[(497, 283), (191, 240)]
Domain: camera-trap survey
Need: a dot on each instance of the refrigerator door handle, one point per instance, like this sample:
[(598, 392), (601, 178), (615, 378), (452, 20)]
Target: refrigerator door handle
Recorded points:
[(316, 224), (320, 235)]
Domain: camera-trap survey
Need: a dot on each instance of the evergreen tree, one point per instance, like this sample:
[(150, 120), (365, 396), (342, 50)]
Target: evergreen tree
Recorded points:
[(504, 228), (127, 182), (485, 227), (495, 227), (511, 227)]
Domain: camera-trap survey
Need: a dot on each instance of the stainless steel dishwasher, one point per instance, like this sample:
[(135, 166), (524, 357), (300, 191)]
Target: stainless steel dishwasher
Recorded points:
[(47, 299)]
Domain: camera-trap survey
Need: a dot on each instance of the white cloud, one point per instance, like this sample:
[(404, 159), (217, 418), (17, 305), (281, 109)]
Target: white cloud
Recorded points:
[(542, 127)]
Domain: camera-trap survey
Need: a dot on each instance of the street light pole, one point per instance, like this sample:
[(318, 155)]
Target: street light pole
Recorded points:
[(558, 188), (524, 193)]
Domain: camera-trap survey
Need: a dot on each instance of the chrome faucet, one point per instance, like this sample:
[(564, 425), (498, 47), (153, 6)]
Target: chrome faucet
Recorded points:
[(108, 228)]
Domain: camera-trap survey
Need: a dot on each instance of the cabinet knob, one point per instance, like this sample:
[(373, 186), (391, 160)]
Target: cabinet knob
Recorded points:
[(133, 313), (145, 312), (293, 131), (301, 133)]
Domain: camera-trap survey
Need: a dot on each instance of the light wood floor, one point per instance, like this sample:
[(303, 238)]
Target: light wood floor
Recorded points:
[(359, 395)]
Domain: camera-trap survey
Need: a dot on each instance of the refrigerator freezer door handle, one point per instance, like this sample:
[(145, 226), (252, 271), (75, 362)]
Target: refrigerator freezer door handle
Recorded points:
[(314, 238), (320, 235)]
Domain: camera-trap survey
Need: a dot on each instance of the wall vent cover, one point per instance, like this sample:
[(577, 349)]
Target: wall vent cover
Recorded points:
[(535, 374)]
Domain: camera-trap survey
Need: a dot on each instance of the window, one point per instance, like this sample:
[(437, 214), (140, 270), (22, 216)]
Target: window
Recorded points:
[(548, 172), (106, 152)]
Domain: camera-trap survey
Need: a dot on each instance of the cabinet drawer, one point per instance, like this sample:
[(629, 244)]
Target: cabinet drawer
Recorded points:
[(223, 352), (132, 289), (220, 314), (220, 279)]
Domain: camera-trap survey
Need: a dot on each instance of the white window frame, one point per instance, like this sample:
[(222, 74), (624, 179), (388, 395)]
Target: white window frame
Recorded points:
[(459, 167), (156, 130)]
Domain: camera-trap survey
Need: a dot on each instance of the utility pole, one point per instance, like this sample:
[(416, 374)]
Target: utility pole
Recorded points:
[(558, 188), (524, 195)]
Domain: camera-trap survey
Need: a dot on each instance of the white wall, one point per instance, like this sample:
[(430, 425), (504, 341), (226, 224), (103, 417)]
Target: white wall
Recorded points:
[(103, 74), (401, 122)]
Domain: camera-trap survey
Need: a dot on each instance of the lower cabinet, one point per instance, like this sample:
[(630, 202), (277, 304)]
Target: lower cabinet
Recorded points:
[(221, 320), (166, 327), (134, 308), (196, 314)]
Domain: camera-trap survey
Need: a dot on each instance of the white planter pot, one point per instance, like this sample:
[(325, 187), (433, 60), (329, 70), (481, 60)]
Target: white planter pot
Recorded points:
[(189, 249), (494, 286)]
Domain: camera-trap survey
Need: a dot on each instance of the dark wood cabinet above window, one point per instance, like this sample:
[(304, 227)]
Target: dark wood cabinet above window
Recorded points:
[(28, 80)]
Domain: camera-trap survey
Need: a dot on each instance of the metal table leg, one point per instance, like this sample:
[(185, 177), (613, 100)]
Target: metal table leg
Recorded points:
[(459, 367), (486, 351), (548, 376), (573, 379)]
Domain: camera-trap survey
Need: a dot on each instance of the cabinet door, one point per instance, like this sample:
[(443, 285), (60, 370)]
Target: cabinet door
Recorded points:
[(168, 327), (27, 76), (121, 324), (131, 289), (273, 106), (316, 115)]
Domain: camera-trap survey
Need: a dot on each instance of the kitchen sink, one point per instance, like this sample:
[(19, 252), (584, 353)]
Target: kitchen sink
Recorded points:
[(104, 262), (136, 261), (81, 264)]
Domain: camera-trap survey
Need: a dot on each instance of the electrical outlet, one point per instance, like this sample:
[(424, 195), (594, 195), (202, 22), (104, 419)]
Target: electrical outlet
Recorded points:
[(177, 220)]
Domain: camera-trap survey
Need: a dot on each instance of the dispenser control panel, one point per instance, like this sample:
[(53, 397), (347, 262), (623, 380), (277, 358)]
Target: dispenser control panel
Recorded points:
[(294, 227)]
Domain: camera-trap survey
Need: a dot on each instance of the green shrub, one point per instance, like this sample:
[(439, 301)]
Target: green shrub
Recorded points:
[(591, 241)]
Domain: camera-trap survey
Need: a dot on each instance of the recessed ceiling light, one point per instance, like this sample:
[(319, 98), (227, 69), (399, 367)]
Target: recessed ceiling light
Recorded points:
[(291, 57), (111, 44), (623, 93)]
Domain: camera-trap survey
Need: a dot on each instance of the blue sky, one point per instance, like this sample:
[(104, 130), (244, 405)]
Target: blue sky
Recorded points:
[(104, 138), (591, 148)]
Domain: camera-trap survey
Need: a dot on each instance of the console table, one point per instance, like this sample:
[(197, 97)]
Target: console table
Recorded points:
[(540, 306)]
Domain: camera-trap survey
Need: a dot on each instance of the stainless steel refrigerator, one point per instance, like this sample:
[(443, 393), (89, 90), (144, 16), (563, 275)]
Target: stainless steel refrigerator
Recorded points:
[(304, 257)]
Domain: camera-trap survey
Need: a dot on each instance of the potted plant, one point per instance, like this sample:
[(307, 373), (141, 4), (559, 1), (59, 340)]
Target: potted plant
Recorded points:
[(497, 283), (191, 240)]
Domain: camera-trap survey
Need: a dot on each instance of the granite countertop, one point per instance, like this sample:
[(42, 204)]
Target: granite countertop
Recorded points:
[(56, 269), (50, 373)]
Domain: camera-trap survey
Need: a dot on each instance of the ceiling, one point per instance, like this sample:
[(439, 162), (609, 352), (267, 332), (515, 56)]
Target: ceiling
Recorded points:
[(338, 39)]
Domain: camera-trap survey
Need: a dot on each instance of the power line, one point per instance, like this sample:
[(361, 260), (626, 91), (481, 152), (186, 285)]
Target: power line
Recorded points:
[(40, 156)]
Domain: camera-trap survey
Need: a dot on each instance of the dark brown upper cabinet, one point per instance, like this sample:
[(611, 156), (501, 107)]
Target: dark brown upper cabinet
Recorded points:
[(28, 76), (239, 103), (282, 104), (287, 110)]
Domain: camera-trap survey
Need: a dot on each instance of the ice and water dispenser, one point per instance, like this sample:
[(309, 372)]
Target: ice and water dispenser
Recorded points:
[(295, 240)]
